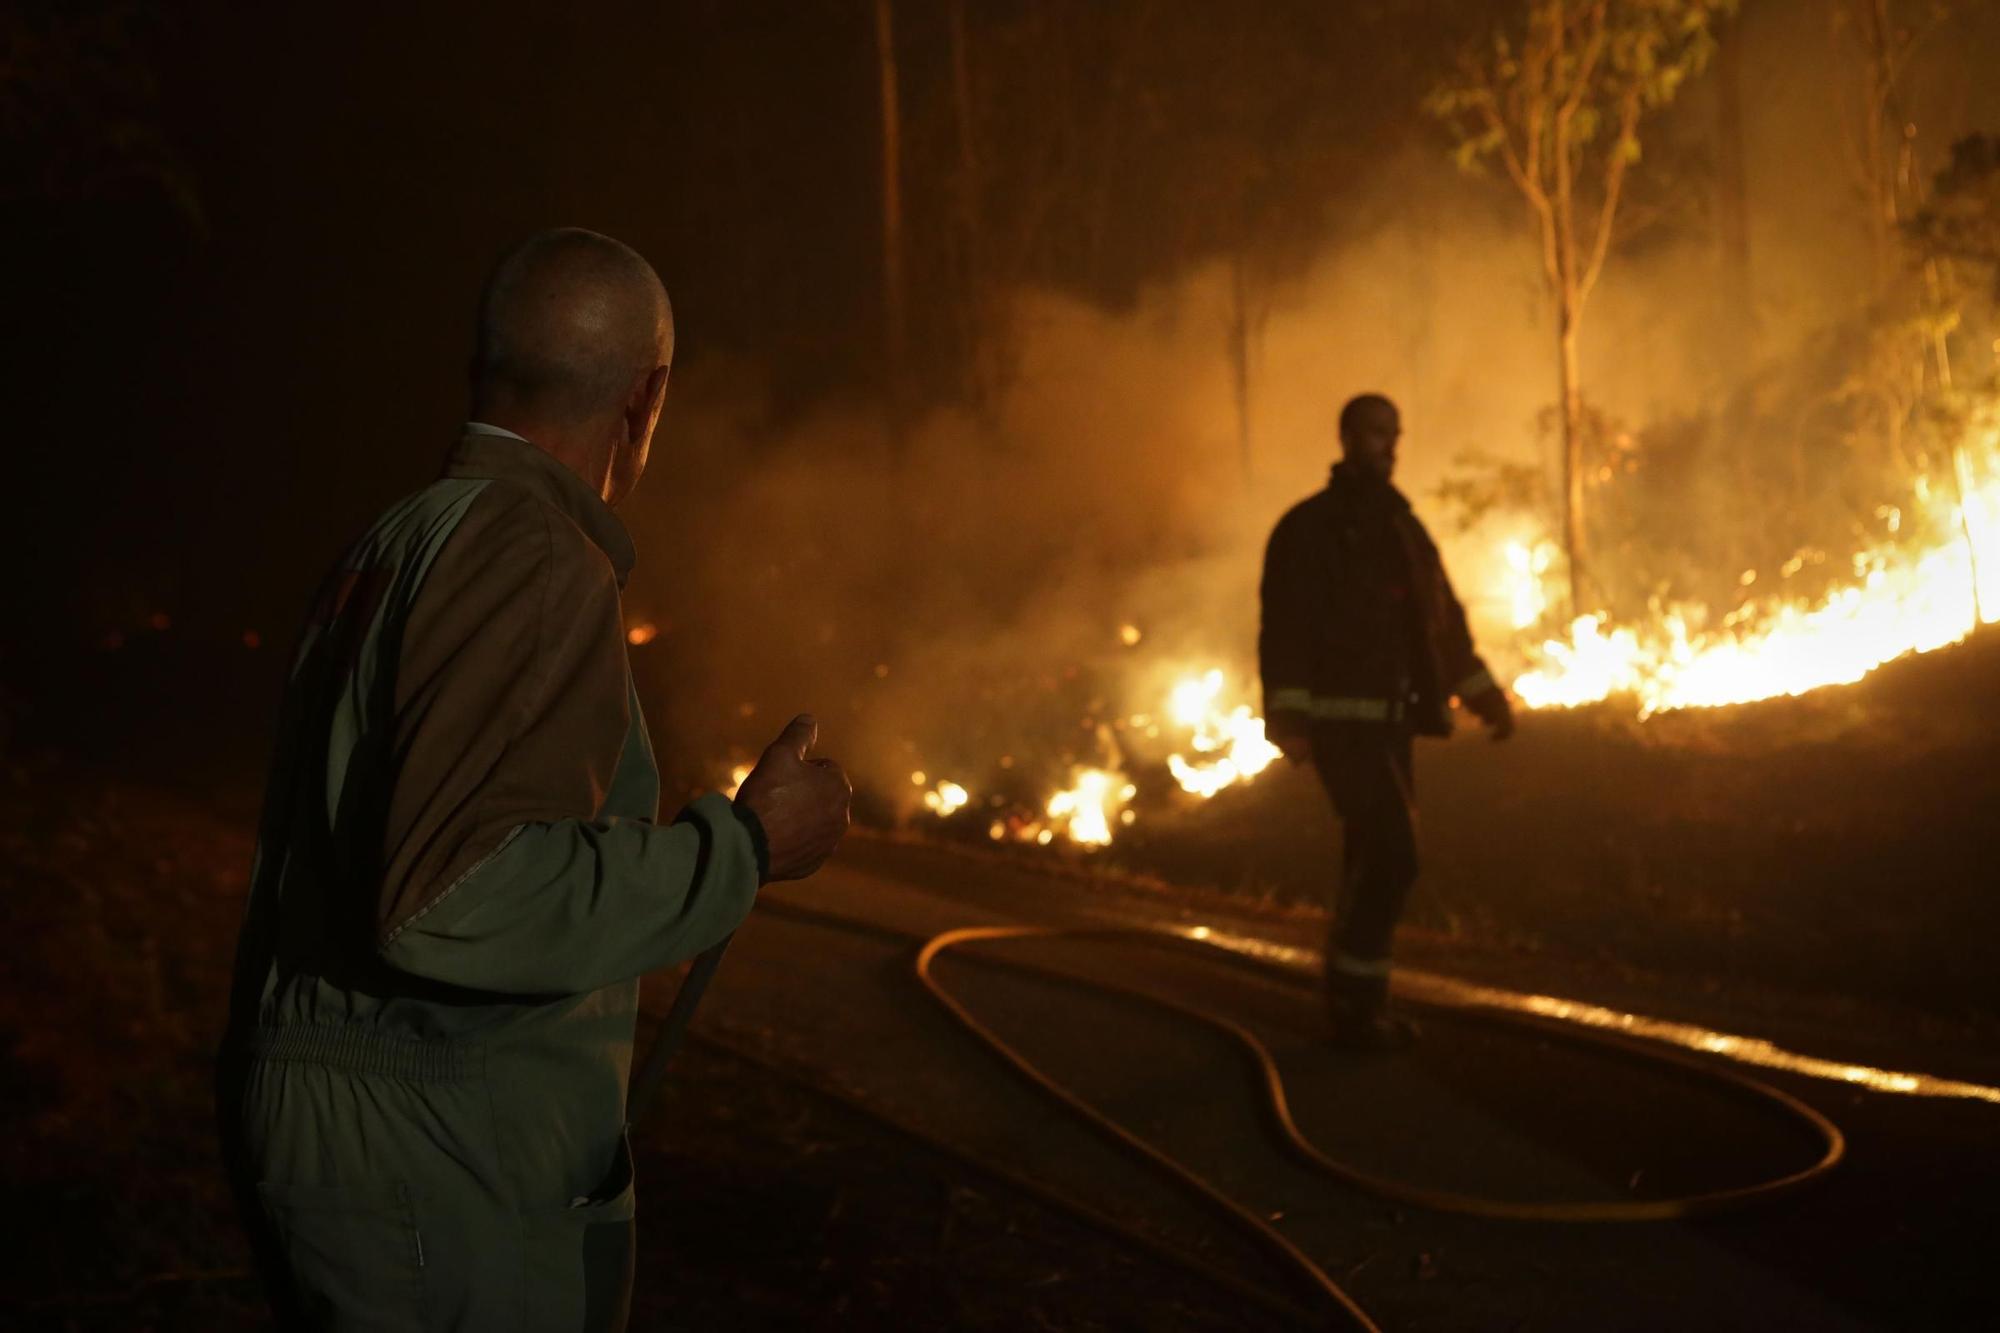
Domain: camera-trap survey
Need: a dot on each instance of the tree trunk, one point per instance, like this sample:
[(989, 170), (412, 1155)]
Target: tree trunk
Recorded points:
[(1738, 323), (1572, 449), (1733, 201), (895, 317), (1239, 359), (981, 385)]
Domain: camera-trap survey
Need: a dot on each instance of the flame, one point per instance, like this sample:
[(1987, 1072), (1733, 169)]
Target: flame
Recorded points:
[(1900, 601), (1084, 810), (736, 776), (1230, 745), (1525, 581)]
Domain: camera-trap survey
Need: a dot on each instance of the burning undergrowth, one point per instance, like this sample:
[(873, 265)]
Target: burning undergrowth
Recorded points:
[(1037, 624), (1000, 656)]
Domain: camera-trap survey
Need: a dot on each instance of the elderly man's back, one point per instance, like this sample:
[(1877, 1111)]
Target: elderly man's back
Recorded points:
[(460, 877)]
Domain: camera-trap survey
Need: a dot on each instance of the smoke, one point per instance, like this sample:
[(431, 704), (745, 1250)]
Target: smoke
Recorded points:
[(942, 610), (957, 609)]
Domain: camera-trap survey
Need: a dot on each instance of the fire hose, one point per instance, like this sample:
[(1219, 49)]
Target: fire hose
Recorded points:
[(1325, 1288), (651, 1075)]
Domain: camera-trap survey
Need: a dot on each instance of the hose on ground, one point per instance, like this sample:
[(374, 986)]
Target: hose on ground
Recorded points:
[(1277, 1103)]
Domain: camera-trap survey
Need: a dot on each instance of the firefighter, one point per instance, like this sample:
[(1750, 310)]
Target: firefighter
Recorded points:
[(1364, 646), (459, 874)]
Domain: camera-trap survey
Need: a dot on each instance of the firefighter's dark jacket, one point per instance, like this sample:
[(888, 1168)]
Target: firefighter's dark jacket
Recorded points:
[(1360, 623)]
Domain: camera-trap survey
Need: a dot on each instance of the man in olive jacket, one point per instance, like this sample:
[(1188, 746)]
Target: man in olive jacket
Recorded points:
[(459, 875), (1363, 646)]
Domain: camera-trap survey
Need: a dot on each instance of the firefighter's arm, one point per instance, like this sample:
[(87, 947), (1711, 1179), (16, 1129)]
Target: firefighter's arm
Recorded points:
[(531, 885), (1471, 681), (1284, 656)]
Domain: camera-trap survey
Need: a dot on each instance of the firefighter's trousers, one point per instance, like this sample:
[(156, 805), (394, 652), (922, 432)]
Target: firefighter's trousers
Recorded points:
[(1366, 769)]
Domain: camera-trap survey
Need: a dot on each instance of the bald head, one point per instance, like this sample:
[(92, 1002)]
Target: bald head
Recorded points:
[(569, 322)]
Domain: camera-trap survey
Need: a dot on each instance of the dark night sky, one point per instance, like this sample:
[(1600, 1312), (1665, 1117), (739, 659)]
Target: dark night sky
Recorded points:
[(209, 396), (210, 402)]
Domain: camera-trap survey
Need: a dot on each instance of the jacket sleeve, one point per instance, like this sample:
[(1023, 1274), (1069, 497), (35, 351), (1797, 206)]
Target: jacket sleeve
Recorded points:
[(511, 715), (1284, 637), (1465, 673), (566, 906)]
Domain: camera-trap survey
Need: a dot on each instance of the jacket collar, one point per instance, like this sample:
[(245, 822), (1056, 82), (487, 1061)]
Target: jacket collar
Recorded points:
[(503, 459), (1346, 479)]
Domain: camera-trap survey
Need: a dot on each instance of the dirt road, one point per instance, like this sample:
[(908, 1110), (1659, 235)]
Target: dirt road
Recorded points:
[(1894, 1238)]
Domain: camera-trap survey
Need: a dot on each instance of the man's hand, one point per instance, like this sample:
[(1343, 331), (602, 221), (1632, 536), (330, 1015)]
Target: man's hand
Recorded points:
[(1492, 708), (802, 803), (1290, 734)]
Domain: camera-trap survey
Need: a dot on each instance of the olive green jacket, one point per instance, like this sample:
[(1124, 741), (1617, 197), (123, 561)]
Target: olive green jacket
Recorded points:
[(460, 876)]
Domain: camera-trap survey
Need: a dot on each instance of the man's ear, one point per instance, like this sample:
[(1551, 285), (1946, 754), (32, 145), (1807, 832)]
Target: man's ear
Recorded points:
[(642, 409)]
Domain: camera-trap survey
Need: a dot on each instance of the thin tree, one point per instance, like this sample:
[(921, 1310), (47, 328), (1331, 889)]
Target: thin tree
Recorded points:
[(895, 308), (1555, 92), (1885, 154)]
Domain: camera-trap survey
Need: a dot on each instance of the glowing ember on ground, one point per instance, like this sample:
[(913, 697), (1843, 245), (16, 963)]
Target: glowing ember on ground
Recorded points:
[(945, 798), (1229, 745), (1900, 602)]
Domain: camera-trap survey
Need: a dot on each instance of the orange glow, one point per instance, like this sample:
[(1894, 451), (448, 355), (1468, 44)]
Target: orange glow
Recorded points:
[(1228, 743), (1084, 810), (1899, 601), (946, 798)]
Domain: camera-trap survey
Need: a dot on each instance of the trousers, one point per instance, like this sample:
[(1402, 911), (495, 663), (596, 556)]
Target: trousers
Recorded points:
[(375, 1203), (1368, 775)]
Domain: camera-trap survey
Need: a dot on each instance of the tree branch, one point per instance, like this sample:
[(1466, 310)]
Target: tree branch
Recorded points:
[(1614, 185)]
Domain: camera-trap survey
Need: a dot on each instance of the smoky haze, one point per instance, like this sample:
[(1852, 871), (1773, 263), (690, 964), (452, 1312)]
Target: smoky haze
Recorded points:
[(966, 603), (297, 345)]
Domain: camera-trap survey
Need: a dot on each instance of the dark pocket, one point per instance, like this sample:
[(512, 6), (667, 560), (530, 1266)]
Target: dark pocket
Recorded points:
[(582, 1256), (610, 1246), (354, 1256)]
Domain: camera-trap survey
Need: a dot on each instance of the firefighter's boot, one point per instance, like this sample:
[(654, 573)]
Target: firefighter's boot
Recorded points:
[(1359, 1017)]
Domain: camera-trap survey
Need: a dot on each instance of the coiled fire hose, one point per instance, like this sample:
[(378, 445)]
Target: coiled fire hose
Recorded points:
[(1267, 1236)]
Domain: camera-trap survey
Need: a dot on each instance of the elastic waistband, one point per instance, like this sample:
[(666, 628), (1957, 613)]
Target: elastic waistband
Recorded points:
[(361, 1051)]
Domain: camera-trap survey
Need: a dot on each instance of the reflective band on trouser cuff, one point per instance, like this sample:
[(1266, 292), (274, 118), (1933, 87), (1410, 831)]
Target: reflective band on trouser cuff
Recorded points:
[(1288, 701), (1479, 682), (1351, 966)]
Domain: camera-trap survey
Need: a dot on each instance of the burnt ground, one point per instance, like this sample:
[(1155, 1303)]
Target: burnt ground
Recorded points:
[(1819, 870)]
